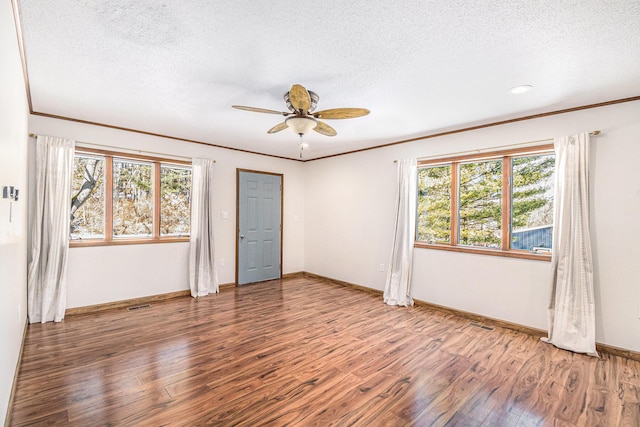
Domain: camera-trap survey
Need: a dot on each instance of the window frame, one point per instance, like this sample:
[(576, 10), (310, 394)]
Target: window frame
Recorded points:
[(109, 239), (506, 202)]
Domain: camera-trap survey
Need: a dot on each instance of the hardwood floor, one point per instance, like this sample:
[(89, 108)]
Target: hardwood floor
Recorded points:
[(303, 352)]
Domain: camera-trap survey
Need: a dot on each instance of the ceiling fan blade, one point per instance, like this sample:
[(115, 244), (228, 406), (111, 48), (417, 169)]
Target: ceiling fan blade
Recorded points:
[(260, 110), (278, 127), (341, 113), (299, 97), (325, 129)]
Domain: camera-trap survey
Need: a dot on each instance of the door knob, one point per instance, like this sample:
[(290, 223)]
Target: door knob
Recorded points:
[(242, 236)]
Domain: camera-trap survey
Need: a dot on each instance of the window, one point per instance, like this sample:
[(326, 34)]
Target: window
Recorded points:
[(174, 203), (480, 207), (532, 191), (120, 198), (434, 209), (498, 203), (132, 198), (87, 202)]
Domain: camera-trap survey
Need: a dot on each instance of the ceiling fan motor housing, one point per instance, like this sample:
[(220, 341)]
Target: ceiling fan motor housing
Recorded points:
[(312, 95)]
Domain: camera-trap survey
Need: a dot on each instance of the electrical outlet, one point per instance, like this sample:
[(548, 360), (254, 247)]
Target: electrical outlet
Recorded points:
[(221, 262), (381, 268)]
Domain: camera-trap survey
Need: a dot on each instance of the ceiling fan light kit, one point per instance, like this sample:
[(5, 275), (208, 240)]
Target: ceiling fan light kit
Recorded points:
[(301, 125)]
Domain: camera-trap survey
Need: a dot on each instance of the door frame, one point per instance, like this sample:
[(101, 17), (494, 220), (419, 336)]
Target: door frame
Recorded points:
[(238, 171)]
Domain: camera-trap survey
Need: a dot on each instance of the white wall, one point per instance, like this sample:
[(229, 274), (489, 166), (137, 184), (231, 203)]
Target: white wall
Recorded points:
[(349, 206), (13, 235), (111, 273)]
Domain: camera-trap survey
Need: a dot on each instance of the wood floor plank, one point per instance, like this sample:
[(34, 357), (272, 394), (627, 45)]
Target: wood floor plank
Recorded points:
[(309, 352)]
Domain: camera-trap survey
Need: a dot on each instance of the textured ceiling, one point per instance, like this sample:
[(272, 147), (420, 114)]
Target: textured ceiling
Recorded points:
[(176, 67)]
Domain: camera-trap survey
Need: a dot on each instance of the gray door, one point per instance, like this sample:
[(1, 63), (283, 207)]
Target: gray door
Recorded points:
[(259, 226)]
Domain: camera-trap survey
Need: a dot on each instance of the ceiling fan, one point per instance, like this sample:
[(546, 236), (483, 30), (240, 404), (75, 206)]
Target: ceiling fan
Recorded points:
[(302, 117)]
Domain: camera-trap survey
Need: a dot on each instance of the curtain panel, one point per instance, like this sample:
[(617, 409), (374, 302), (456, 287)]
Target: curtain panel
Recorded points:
[(46, 281), (397, 286), (203, 277), (571, 309)]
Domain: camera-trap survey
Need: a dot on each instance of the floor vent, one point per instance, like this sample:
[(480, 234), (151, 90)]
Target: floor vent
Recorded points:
[(478, 325), (138, 307)]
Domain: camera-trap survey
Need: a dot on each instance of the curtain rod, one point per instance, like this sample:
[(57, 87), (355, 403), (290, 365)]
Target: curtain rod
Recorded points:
[(129, 150), (593, 133)]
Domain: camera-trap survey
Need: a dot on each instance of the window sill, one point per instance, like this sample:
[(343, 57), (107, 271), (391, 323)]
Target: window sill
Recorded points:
[(492, 252), (119, 242)]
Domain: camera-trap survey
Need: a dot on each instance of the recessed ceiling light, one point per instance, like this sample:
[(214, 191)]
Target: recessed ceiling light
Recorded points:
[(520, 89)]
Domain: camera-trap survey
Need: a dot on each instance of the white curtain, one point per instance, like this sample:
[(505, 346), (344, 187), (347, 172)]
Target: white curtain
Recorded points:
[(202, 268), (396, 289), (571, 307), (46, 282)]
